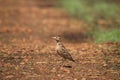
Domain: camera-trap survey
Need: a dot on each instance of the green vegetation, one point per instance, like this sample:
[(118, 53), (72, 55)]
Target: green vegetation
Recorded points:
[(107, 36), (91, 11)]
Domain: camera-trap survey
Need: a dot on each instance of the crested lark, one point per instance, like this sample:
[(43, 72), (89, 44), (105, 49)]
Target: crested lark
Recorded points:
[(61, 50)]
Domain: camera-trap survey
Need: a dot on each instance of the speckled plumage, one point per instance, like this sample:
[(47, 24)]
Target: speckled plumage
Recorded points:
[(61, 50)]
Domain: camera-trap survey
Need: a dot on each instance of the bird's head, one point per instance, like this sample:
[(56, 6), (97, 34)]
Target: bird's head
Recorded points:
[(57, 38)]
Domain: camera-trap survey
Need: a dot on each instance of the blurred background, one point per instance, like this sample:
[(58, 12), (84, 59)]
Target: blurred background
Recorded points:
[(27, 51), (74, 20)]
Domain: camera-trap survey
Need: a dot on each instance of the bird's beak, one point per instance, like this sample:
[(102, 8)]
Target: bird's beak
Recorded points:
[(53, 38)]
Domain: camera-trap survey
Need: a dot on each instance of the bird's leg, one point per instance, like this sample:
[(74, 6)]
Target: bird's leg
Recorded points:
[(63, 62), (67, 65)]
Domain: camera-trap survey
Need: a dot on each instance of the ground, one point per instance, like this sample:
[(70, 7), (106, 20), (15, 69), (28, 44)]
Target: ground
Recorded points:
[(27, 51)]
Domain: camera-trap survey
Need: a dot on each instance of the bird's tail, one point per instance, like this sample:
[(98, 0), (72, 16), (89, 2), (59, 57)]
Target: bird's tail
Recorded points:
[(73, 60)]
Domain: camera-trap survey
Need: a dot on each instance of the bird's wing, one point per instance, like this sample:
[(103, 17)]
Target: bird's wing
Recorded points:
[(64, 52)]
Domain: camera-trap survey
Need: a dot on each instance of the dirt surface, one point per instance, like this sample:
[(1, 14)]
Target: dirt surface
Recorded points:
[(27, 51)]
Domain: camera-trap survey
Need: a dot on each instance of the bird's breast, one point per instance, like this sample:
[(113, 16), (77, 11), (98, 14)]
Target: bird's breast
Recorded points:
[(57, 47)]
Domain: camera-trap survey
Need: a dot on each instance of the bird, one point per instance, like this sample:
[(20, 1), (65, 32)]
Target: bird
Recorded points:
[(61, 50)]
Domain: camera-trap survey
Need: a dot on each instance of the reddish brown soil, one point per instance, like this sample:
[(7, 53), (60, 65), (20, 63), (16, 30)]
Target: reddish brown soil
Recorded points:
[(27, 50)]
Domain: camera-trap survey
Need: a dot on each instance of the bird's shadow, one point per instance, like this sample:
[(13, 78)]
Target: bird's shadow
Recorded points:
[(67, 66)]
